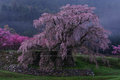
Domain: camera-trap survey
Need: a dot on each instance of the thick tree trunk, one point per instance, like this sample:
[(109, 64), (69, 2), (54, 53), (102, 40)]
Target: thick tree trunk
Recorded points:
[(67, 62), (36, 57), (45, 60), (50, 60)]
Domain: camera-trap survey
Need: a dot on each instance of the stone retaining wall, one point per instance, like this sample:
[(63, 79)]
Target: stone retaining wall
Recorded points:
[(7, 58), (54, 72), (8, 61)]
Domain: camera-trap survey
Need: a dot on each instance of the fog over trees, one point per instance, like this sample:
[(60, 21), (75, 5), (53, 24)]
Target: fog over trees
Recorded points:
[(19, 14)]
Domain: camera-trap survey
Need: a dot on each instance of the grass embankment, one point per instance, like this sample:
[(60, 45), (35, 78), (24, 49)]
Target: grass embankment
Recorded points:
[(102, 73)]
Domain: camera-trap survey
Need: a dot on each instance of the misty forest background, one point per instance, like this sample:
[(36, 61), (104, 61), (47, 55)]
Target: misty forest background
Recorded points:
[(19, 15)]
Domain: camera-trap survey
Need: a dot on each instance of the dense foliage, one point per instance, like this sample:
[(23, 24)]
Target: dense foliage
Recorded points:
[(73, 27), (18, 14), (19, 17), (10, 41), (17, 40), (116, 50), (5, 38)]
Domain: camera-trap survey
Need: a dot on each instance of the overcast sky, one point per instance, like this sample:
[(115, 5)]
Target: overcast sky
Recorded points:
[(109, 11)]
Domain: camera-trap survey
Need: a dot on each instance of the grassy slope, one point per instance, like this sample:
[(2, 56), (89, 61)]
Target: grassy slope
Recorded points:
[(102, 73)]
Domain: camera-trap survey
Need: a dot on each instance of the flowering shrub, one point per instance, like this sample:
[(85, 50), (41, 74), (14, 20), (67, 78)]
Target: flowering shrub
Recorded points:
[(10, 41), (17, 40), (116, 49), (5, 38)]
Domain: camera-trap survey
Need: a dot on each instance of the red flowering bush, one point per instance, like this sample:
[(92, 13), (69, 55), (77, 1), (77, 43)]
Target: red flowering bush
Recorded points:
[(10, 41)]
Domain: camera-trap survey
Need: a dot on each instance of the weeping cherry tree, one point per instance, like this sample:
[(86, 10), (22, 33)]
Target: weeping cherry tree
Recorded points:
[(74, 28)]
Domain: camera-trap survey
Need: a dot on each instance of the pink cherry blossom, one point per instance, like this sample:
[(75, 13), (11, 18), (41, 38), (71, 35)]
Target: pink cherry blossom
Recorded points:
[(5, 38), (116, 50), (74, 26)]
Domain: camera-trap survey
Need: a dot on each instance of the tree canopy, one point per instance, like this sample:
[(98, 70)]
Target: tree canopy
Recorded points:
[(73, 27)]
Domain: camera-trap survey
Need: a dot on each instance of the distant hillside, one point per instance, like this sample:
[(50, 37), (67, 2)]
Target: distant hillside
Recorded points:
[(20, 13), (6, 2)]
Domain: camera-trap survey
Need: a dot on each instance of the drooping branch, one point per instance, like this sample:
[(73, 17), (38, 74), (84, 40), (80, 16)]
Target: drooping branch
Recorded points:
[(70, 28)]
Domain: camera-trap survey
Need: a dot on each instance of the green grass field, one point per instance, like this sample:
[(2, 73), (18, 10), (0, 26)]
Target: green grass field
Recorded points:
[(102, 73)]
